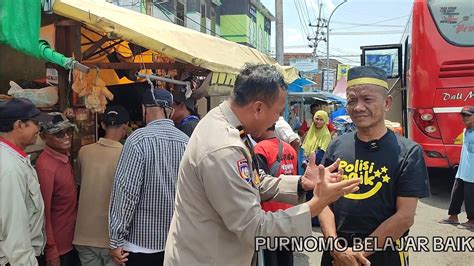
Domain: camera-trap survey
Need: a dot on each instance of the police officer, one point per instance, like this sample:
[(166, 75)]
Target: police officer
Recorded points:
[(217, 210), (393, 177)]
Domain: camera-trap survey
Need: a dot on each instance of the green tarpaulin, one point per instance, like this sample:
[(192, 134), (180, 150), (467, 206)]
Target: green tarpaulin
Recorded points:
[(20, 26)]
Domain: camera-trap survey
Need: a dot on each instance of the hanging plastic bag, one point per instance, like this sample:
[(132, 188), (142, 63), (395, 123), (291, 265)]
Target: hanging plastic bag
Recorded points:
[(44, 97)]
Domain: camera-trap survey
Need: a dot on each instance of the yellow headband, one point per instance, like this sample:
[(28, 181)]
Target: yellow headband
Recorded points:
[(362, 81)]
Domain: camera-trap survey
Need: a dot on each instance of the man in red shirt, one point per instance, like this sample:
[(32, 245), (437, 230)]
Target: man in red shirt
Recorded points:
[(276, 157), (58, 188)]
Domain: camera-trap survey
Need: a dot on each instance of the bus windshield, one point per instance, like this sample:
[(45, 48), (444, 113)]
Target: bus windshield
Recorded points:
[(455, 20)]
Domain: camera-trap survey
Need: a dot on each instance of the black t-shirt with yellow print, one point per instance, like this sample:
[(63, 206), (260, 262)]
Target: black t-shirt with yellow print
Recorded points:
[(392, 167)]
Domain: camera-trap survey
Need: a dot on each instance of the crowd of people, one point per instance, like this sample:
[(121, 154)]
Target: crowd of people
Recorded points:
[(189, 191)]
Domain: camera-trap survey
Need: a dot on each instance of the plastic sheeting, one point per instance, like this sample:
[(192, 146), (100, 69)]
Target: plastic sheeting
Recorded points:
[(20, 27), (299, 84)]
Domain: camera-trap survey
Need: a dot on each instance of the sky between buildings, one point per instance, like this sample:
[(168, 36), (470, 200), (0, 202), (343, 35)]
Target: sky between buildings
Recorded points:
[(370, 22)]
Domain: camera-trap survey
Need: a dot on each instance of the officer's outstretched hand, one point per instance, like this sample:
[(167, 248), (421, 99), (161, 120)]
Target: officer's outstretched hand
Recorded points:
[(328, 191), (312, 176), (328, 186)]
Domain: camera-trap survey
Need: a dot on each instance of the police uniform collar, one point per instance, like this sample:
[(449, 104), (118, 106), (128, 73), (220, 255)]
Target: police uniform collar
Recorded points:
[(229, 114)]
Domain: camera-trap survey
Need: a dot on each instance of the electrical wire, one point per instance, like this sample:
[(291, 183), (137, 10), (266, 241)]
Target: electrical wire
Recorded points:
[(300, 17), (302, 29), (313, 9), (340, 57), (376, 25), (406, 29), (309, 18), (368, 32), (307, 11), (371, 24)]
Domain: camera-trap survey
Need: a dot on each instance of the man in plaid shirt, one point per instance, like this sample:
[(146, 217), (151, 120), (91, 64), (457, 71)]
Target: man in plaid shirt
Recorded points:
[(142, 200)]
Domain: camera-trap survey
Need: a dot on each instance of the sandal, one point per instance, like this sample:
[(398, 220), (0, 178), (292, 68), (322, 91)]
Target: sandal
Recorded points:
[(467, 226), (448, 221)]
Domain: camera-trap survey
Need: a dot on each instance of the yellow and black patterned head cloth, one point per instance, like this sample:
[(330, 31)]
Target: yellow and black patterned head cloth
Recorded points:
[(362, 75)]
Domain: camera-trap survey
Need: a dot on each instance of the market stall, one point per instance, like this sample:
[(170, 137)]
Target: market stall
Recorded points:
[(120, 48), (299, 106), (224, 59), (124, 55)]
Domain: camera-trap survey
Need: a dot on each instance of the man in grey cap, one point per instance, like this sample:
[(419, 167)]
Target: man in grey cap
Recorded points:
[(463, 187), (142, 201), (22, 209), (58, 188)]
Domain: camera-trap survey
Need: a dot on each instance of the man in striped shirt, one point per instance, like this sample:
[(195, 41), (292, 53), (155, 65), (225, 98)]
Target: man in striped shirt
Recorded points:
[(143, 193)]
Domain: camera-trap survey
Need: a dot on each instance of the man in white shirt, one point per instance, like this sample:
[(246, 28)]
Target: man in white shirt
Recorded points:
[(22, 237), (284, 132)]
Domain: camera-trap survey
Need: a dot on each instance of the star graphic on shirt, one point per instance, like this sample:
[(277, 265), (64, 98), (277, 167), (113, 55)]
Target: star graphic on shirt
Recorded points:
[(377, 173), (384, 169), (386, 178)]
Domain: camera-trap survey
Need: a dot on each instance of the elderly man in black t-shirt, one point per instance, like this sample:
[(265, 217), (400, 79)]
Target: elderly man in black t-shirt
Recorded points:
[(393, 177)]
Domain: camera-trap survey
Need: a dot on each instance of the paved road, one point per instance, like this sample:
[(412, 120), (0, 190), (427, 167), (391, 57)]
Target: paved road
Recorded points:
[(429, 211)]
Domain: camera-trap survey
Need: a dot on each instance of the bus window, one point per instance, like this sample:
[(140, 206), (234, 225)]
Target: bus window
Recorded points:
[(454, 20)]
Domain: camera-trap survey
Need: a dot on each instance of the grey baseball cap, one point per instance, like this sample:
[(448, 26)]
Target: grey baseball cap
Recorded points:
[(59, 123)]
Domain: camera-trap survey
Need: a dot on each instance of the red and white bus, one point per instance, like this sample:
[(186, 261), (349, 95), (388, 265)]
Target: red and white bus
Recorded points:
[(438, 77)]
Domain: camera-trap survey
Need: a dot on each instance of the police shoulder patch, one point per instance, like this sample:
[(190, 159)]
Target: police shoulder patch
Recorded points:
[(244, 170)]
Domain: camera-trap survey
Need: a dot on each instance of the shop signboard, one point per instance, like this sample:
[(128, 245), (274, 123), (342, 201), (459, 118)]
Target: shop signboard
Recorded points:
[(305, 65), (328, 78), (342, 71)]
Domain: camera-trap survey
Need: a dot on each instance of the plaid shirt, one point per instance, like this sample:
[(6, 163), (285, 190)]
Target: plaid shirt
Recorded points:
[(142, 200)]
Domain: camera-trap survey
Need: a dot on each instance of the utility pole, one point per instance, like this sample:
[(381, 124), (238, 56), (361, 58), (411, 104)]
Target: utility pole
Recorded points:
[(149, 7), (316, 38), (279, 31), (319, 36), (327, 45)]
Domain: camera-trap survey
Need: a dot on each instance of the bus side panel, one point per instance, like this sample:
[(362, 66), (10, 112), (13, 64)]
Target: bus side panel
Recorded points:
[(430, 52)]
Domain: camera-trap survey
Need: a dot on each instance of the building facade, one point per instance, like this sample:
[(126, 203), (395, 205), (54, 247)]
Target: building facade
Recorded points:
[(200, 15), (247, 22), (316, 67)]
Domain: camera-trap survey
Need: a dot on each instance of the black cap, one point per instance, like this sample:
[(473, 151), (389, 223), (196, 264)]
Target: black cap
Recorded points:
[(20, 109), (159, 98), (57, 124), (362, 75), (115, 115), (179, 96), (468, 110)]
